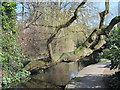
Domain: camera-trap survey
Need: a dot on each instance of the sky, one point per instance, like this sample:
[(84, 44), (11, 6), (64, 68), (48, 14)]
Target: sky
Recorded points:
[(113, 10), (97, 3)]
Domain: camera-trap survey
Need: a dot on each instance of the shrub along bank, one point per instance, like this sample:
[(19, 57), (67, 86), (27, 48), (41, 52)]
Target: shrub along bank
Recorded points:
[(11, 56)]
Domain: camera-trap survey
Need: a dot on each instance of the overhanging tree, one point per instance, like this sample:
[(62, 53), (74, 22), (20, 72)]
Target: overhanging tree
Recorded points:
[(95, 40)]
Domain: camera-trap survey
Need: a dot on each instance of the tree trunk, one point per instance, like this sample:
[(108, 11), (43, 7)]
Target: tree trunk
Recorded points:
[(92, 43)]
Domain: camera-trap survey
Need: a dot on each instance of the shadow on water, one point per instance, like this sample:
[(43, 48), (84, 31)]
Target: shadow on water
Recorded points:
[(53, 77), (56, 76)]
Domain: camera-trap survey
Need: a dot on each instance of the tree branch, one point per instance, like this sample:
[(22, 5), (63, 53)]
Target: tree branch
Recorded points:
[(75, 55), (33, 20), (102, 14), (82, 50), (58, 28), (45, 26), (69, 22), (113, 22)]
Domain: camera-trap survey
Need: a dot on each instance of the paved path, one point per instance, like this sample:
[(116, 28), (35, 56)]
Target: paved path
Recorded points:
[(92, 76)]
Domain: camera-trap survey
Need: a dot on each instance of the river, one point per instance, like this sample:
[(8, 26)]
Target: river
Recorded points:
[(56, 76)]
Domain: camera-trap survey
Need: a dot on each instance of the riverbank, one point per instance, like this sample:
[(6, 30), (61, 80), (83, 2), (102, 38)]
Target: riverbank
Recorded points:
[(58, 75), (92, 76)]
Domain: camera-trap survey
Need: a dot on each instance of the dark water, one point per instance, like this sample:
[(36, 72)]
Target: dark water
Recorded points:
[(54, 77)]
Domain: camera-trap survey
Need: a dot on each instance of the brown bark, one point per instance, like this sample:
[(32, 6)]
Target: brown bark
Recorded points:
[(81, 51), (92, 43), (113, 22), (102, 14), (58, 28)]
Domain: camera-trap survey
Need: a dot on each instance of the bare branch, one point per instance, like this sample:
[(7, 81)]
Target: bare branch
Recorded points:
[(74, 17), (34, 15), (45, 25), (102, 14), (33, 20), (58, 28), (68, 23), (113, 22)]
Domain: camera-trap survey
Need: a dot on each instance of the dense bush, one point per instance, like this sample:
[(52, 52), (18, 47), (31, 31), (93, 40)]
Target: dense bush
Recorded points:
[(114, 80), (11, 56), (113, 46), (113, 43)]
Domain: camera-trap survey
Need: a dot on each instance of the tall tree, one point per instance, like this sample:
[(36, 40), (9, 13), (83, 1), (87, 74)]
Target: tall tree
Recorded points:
[(95, 40)]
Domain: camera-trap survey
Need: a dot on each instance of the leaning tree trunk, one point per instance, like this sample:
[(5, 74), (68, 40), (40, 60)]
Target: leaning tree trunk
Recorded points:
[(92, 43)]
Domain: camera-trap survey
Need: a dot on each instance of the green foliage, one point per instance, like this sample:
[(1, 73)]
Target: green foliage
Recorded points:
[(14, 84), (114, 55), (11, 56), (17, 76), (114, 80), (114, 47)]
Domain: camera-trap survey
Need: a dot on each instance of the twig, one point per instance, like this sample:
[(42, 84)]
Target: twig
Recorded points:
[(33, 21)]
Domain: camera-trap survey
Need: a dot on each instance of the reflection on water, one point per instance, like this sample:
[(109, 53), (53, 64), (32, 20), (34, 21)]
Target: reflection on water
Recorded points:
[(59, 74), (73, 74), (54, 77)]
